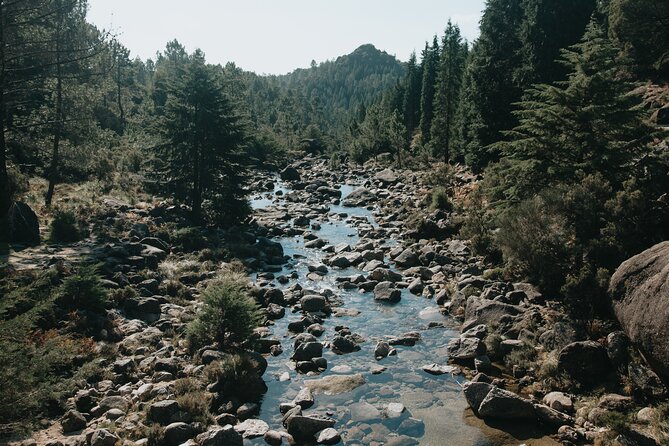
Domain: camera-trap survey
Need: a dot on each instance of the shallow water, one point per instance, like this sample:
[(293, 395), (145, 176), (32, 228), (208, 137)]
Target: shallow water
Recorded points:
[(435, 400)]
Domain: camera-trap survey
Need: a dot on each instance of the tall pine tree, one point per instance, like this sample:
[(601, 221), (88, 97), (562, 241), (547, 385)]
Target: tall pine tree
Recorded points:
[(492, 86), (430, 67), (413, 82), (447, 94), (202, 155)]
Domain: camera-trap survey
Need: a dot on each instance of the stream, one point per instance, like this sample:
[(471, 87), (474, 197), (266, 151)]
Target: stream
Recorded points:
[(435, 406)]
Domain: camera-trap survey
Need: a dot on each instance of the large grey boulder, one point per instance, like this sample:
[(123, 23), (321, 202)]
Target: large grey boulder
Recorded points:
[(585, 361), (461, 349), (23, 224), (639, 290), (387, 176), (220, 436), (359, 197), (305, 428), (386, 292), (502, 404)]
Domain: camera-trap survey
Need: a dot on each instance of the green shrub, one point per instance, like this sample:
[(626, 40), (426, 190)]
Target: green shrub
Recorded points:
[(189, 239), (229, 314), (65, 227), (478, 226), (534, 238), (238, 369), (524, 357), (83, 291), (440, 200)]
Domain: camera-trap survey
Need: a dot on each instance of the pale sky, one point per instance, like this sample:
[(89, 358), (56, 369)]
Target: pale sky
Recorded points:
[(277, 36)]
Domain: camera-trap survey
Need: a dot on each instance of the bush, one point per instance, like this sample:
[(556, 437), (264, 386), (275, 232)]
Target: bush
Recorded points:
[(83, 291), (193, 400), (65, 228), (189, 239), (229, 314), (440, 200), (534, 238), (477, 227)]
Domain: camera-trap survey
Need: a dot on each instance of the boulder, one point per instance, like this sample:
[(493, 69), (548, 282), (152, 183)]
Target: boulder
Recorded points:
[(407, 259), (177, 433), (304, 398), (313, 303), (307, 351), (335, 384), (387, 176), (289, 174), (305, 428), (639, 290), (162, 412), (363, 411), (461, 349), (502, 404), (559, 401), (382, 350), (475, 393), (359, 197), (584, 361), (72, 421), (102, 437), (252, 428), (23, 224), (386, 292), (328, 436), (220, 436)]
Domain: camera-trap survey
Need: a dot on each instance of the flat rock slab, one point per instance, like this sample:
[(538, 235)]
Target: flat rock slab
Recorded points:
[(335, 384), (252, 428), (436, 369), (363, 411)]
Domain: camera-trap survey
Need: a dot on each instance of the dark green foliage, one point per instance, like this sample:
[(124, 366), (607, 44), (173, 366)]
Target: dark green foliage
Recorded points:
[(577, 190), (189, 239), (440, 200), (380, 132), (430, 66), (640, 28), (229, 314), (493, 87), (587, 124), (65, 227), (412, 94), (519, 43), (326, 94), (39, 365), (547, 27), (203, 163), (83, 291), (447, 92)]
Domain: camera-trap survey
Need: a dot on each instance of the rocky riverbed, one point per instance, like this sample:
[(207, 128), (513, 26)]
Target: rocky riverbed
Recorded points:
[(377, 334)]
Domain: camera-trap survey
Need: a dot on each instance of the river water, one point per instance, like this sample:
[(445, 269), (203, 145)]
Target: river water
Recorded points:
[(437, 401)]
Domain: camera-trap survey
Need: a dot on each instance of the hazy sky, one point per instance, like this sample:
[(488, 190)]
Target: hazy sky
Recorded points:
[(277, 36)]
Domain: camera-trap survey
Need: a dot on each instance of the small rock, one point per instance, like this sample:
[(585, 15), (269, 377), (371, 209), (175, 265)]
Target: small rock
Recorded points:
[(328, 436)]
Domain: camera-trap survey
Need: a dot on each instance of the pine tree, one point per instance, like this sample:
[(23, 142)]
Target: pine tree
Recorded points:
[(202, 153), (413, 82), (430, 66), (447, 94), (547, 27), (641, 29), (492, 88), (588, 124)]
